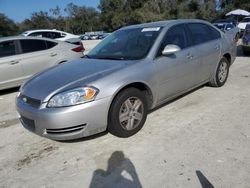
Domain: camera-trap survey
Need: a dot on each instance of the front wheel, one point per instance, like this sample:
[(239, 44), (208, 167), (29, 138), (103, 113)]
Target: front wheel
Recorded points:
[(128, 113), (221, 74)]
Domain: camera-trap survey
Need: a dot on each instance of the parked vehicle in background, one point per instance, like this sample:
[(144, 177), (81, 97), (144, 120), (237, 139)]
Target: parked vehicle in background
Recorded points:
[(135, 69), (229, 29), (246, 40), (21, 57), (242, 24), (227, 20), (54, 34), (50, 33), (103, 35), (85, 37), (93, 37)]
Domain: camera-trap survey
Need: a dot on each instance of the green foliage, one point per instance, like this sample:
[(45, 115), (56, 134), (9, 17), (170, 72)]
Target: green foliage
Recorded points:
[(7, 26), (113, 14)]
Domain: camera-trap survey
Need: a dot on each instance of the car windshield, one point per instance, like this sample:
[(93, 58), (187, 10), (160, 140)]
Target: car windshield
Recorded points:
[(220, 26), (128, 44)]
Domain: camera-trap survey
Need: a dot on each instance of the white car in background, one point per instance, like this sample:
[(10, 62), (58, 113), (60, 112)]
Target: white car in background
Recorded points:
[(242, 24), (52, 34), (21, 57)]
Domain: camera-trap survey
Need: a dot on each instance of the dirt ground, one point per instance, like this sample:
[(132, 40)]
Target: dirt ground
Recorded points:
[(199, 140)]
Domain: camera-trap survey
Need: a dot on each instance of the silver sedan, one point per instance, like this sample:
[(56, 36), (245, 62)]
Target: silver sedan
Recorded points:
[(22, 57), (135, 69)]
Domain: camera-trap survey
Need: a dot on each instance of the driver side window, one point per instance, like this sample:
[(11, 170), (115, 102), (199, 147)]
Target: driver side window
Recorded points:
[(175, 35)]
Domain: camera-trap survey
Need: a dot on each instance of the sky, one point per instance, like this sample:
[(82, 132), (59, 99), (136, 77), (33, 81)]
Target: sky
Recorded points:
[(19, 10)]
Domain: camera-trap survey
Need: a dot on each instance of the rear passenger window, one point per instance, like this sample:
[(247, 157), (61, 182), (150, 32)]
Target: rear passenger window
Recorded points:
[(52, 35), (50, 44), (202, 33), (32, 45), (7, 48)]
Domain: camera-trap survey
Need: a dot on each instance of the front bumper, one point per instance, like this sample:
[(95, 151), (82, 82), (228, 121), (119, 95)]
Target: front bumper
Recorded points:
[(65, 123)]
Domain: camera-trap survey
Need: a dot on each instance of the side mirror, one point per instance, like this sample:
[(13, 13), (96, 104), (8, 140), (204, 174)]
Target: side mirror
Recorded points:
[(170, 49)]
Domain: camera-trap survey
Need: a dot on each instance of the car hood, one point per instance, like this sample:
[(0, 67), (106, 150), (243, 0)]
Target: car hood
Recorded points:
[(68, 75)]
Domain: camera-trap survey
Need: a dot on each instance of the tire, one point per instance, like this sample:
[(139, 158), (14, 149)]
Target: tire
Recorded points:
[(221, 74), (128, 113)]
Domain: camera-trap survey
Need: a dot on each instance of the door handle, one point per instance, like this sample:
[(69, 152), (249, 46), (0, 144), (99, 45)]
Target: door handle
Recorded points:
[(53, 54), (190, 56), (14, 62)]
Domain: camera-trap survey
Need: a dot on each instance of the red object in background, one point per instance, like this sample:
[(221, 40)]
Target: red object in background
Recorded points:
[(78, 49)]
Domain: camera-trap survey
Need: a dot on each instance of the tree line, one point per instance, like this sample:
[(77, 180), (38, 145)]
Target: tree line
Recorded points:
[(113, 14)]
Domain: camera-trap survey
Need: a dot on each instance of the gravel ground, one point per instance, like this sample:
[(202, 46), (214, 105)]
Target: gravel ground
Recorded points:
[(199, 140)]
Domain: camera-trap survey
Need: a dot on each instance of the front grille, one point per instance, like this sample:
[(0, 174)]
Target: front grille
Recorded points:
[(66, 130), (30, 101), (28, 123)]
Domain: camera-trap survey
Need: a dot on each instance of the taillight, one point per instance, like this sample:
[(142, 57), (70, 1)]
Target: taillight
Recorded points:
[(78, 49)]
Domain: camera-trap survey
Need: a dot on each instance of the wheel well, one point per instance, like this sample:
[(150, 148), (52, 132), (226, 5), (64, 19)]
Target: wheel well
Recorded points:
[(142, 87), (228, 57), (61, 62)]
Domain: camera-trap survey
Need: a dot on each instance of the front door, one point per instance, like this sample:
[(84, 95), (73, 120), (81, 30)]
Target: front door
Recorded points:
[(176, 72)]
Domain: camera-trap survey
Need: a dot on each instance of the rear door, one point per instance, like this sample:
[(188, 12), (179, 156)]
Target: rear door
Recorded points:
[(176, 72), (207, 41), (36, 56), (10, 68)]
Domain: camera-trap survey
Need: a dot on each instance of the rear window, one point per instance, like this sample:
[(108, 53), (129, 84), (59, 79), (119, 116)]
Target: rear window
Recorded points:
[(7, 48), (32, 45)]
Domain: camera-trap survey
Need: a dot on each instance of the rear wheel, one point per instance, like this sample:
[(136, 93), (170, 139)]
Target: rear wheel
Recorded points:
[(220, 77), (128, 113)]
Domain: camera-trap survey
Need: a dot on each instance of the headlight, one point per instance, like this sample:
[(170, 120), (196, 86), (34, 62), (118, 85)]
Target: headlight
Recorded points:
[(73, 97)]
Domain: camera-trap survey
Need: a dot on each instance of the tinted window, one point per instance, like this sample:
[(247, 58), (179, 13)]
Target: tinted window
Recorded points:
[(50, 44), (202, 33), (229, 26), (175, 35), (36, 34), (7, 48), (220, 26), (32, 45), (214, 34), (52, 35)]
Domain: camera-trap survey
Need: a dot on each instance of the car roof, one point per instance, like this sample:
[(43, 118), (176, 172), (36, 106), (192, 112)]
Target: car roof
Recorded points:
[(25, 38), (42, 30), (164, 23)]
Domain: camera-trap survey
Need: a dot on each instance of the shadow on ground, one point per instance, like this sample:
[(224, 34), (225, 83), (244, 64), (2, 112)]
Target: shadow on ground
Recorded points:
[(9, 91), (120, 173), (205, 183)]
